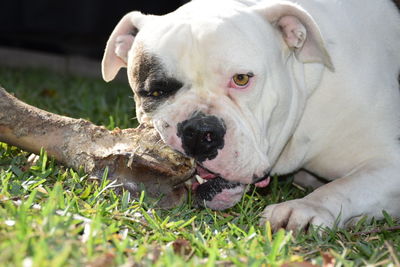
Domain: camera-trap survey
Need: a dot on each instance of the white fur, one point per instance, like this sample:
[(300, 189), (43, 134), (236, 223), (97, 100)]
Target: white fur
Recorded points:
[(329, 104)]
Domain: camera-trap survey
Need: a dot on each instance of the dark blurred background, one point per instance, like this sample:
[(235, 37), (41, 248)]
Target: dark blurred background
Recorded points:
[(67, 36), (69, 27)]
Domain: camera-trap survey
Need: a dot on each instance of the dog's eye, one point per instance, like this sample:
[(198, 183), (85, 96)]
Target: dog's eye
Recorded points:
[(241, 80), (156, 93), (153, 93), (160, 88)]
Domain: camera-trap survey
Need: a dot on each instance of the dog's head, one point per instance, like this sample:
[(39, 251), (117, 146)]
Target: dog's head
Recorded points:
[(217, 79)]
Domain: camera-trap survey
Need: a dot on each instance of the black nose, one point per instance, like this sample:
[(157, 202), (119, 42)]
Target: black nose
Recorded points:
[(202, 135)]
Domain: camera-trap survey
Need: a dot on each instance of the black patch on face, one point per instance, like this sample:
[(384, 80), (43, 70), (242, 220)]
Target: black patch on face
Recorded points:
[(151, 83), (163, 86), (211, 188)]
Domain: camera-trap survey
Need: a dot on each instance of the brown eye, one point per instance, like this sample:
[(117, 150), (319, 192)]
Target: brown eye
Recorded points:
[(241, 79)]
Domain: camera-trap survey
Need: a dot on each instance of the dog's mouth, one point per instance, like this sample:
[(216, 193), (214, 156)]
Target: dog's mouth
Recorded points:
[(204, 175), (215, 192)]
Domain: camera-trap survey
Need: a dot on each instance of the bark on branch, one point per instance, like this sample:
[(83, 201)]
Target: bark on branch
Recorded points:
[(134, 157)]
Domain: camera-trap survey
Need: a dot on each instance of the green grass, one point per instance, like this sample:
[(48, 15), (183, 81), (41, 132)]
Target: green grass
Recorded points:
[(54, 216)]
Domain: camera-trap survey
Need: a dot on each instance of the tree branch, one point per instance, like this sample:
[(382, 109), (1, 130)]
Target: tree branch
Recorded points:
[(132, 156)]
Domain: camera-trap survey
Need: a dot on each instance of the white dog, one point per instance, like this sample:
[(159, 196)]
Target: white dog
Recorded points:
[(257, 88)]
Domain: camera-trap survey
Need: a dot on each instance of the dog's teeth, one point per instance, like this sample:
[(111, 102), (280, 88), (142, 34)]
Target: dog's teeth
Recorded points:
[(200, 180)]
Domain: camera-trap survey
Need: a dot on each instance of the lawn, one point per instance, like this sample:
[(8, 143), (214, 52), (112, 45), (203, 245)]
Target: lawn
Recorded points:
[(54, 216)]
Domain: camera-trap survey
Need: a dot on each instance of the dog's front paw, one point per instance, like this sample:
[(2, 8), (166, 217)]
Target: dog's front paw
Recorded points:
[(297, 215)]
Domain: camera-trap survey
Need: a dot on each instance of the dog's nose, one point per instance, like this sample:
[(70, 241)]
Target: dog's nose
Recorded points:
[(202, 135)]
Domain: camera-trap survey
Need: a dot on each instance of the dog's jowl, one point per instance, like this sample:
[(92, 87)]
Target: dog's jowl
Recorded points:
[(250, 88)]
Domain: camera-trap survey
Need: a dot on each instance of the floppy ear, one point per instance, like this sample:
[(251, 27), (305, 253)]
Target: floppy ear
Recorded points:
[(119, 44), (299, 31)]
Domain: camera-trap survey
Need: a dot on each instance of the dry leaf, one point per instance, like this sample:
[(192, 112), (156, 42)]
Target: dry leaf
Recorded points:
[(298, 264), (328, 260), (105, 260), (182, 247)]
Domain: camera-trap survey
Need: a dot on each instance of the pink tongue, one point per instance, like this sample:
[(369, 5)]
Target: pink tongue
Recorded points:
[(263, 183), (203, 173)]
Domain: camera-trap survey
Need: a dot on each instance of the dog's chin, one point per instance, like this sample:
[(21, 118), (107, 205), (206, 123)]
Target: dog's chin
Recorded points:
[(215, 192)]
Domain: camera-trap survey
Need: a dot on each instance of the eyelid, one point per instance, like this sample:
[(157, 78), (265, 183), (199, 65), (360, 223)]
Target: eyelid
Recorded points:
[(250, 74), (233, 85)]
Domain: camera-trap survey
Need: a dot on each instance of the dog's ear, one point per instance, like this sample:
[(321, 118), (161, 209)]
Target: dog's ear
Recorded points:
[(299, 31), (119, 44)]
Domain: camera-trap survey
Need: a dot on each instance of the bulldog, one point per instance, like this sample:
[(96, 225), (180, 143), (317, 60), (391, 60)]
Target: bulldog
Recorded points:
[(258, 88)]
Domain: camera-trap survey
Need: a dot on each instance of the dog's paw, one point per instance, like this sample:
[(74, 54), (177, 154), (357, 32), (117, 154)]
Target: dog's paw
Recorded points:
[(297, 215)]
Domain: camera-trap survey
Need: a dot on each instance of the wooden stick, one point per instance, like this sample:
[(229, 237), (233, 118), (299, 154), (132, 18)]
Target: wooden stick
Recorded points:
[(133, 157)]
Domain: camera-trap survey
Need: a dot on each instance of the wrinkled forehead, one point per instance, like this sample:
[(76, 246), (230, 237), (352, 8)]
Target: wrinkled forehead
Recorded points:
[(209, 43)]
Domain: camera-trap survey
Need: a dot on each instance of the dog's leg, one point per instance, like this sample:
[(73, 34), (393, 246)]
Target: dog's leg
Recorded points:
[(367, 191), (307, 180)]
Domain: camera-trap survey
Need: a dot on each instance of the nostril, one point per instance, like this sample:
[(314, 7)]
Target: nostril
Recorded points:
[(208, 137)]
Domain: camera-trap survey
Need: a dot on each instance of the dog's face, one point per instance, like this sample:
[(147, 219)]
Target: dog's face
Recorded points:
[(215, 83)]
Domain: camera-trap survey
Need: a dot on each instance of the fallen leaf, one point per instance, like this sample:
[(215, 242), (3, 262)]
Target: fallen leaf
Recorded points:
[(328, 260), (298, 264), (182, 247), (105, 260)]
